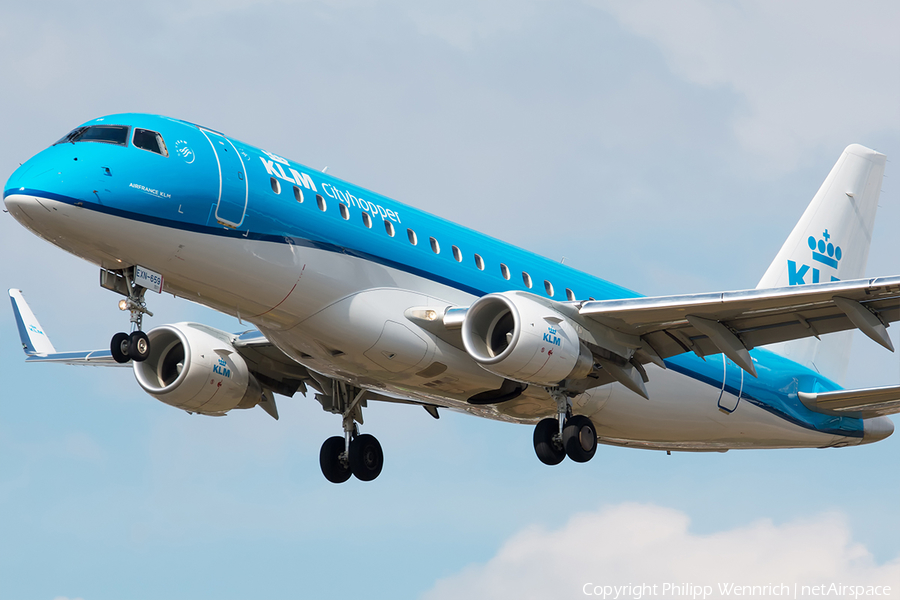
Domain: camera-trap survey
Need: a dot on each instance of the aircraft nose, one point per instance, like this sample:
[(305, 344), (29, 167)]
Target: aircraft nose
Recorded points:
[(876, 429), (23, 207)]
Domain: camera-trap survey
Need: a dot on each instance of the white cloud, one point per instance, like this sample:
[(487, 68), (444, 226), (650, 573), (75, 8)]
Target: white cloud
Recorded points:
[(810, 72), (645, 544)]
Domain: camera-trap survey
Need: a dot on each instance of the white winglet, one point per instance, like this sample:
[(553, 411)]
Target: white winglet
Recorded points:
[(37, 345), (34, 340)]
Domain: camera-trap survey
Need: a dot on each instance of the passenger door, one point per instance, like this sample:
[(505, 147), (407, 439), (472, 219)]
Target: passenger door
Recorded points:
[(233, 190)]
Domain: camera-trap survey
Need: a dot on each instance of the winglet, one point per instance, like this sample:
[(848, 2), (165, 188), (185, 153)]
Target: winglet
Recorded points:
[(34, 340)]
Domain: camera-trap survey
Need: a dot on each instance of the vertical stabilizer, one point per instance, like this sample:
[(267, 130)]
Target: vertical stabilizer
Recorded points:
[(831, 243)]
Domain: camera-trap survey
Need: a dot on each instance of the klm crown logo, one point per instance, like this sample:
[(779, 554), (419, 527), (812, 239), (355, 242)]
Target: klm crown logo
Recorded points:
[(823, 252), (828, 253), (222, 368), (551, 338)]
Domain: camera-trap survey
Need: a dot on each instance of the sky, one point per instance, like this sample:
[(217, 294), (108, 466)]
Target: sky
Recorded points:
[(668, 147)]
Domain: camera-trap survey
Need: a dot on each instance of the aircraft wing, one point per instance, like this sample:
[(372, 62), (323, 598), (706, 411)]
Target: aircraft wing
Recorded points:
[(279, 372), (274, 370), (735, 322)]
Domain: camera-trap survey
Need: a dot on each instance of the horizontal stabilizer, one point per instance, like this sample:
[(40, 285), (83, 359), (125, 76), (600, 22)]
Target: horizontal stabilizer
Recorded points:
[(866, 403)]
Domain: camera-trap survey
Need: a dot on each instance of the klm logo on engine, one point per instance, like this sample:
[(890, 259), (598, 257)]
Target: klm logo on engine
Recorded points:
[(551, 338), (825, 253), (222, 369)]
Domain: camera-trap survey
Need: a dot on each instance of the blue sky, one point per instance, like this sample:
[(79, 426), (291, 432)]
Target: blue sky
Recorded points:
[(667, 147)]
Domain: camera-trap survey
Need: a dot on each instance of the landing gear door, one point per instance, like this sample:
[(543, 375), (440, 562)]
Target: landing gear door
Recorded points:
[(233, 191)]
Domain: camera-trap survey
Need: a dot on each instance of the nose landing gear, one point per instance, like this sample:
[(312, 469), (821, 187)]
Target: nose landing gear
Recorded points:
[(136, 345)]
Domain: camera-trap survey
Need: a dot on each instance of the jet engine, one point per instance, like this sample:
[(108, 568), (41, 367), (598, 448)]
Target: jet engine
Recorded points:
[(196, 368), (516, 337)]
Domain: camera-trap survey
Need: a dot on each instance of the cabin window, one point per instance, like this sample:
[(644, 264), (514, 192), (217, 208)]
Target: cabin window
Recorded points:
[(149, 140), (548, 287), (345, 212), (389, 227), (276, 185), (412, 237), (479, 262), (367, 220), (504, 270), (321, 202), (456, 253), (526, 278), (108, 134), (570, 295), (435, 247), (298, 194)]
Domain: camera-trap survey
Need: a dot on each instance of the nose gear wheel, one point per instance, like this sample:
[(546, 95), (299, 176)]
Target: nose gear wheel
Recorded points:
[(136, 345)]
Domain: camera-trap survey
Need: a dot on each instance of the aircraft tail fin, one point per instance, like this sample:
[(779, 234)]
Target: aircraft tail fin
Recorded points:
[(831, 243)]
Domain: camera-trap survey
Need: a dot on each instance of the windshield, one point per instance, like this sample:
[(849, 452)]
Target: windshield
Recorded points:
[(108, 134), (149, 140)]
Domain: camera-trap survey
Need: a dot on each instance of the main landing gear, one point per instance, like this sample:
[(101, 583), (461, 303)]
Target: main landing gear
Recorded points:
[(567, 435), (354, 454), (135, 345)]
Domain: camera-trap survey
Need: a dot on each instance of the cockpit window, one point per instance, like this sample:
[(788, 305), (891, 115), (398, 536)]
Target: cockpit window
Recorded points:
[(149, 140), (108, 134)]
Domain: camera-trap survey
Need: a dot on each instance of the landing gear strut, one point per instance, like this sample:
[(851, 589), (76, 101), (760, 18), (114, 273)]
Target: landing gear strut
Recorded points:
[(134, 346), (567, 435), (354, 454)]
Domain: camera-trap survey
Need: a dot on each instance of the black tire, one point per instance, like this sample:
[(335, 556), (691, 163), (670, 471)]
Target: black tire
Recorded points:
[(580, 438), (119, 347), (548, 452), (138, 346), (366, 457), (330, 460)]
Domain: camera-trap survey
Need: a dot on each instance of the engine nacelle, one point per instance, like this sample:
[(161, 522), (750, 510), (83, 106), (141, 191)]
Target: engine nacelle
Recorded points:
[(514, 336), (196, 368)]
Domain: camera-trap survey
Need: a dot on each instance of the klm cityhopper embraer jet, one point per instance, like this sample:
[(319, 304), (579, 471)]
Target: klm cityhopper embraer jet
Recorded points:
[(363, 299)]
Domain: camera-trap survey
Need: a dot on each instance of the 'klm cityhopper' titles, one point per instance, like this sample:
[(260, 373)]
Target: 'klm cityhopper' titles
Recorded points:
[(275, 167)]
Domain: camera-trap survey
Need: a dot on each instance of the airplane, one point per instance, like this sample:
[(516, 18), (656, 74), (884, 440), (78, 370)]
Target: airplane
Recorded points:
[(357, 298)]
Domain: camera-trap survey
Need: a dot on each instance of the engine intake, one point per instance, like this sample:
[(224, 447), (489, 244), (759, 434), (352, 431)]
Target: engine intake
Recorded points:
[(517, 337), (196, 368)]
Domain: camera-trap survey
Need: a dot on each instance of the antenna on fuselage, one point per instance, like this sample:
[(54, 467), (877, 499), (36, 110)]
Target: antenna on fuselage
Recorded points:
[(325, 169)]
